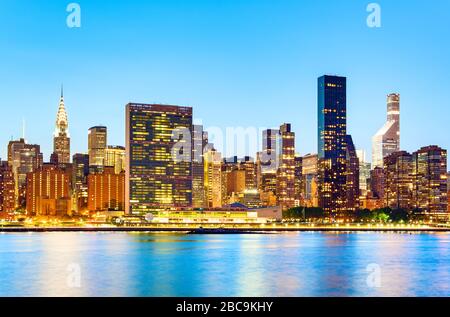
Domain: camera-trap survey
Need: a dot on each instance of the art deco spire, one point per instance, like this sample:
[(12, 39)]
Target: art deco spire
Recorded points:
[(62, 122)]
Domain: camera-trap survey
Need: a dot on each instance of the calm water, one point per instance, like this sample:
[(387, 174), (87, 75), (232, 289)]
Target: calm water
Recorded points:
[(303, 264)]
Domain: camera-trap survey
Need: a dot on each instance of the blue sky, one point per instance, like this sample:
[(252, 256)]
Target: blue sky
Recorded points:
[(237, 62)]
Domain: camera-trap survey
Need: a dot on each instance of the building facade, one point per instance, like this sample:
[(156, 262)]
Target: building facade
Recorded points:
[(430, 180), (377, 183), (23, 158), (80, 172), (159, 158), (266, 167), (332, 154), (353, 192), (115, 157), (48, 191), (97, 143), (299, 201), (106, 190), (198, 175), (213, 178), (398, 170), (448, 193), (286, 168), (7, 188), (364, 173), (310, 179), (248, 165), (387, 139)]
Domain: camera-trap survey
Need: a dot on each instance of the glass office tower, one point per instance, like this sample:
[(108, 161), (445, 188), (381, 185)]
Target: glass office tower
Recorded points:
[(159, 158), (387, 139), (332, 131)]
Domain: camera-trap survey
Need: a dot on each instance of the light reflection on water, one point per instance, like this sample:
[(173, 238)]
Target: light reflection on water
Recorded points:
[(294, 264)]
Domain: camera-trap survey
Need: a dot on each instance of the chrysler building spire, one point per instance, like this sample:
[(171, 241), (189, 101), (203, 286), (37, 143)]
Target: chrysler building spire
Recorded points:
[(61, 140), (62, 122)]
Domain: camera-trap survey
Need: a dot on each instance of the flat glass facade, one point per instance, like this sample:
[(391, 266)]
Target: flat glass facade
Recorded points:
[(332, 131), (156, 178)]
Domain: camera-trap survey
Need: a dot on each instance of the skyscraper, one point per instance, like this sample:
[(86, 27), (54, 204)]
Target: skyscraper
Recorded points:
[(159, 158), (352, 175), (7, 188), (198, 189), (213, 178), (430, 180), (398, 169), (332, 154), (61, 137), (286, 168), (97, 142), (23, 158), (267, 165), (387, 139)]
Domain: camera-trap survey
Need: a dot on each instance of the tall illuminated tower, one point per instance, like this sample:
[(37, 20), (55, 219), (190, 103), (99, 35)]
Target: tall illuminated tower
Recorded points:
[(430, 181), (23, 158), (398, 172), (387, 139), (286, 168), (97, 143), (267, 165), (61, 137), (332, 150), (198, 179), (158, 158), (213, 178)]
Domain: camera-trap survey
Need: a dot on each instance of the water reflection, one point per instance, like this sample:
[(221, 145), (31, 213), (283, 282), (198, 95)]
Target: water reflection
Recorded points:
[(303, 264)]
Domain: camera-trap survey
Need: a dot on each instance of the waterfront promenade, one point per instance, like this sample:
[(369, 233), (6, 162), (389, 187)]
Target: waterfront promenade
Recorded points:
[(233, 229)]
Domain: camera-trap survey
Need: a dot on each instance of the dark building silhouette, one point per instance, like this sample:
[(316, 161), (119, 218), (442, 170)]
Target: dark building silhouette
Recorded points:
[(332, 150)]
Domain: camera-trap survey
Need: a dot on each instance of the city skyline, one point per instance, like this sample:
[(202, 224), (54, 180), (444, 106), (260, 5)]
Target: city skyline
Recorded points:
[(260, 139), (279, 65), (246, 152)]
